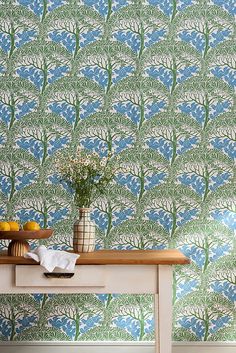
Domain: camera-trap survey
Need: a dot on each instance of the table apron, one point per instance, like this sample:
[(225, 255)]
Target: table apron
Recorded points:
[(129, 279)]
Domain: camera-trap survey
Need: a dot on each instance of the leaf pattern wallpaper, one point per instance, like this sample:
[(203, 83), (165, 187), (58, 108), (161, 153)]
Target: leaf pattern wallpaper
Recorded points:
[(153, 81)]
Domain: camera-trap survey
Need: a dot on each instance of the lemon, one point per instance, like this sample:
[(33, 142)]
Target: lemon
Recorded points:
[(14, 225), (31, 225), (4, 226)]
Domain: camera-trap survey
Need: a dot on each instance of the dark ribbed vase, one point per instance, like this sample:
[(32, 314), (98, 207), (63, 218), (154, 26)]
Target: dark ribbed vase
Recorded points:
[(84, 232)]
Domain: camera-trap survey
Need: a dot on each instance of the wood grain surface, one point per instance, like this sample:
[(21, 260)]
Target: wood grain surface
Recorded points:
[(26, 234), (117, 257)]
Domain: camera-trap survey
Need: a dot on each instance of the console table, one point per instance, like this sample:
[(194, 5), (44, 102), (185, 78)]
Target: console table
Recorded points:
[(104, 271)]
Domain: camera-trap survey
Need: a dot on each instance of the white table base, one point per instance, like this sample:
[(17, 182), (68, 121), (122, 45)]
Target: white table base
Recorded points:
[(119, 279)]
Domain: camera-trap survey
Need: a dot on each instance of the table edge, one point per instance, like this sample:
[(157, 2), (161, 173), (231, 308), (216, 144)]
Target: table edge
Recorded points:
[(106, 257)]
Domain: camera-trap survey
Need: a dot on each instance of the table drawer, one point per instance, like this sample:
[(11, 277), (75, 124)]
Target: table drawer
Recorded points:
[(37, 276)]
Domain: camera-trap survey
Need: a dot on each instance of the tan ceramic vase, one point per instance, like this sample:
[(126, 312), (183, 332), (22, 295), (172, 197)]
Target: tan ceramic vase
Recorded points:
[(84, 232)]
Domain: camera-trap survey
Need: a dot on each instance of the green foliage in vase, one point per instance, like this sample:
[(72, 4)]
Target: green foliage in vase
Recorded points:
[(87, 174)]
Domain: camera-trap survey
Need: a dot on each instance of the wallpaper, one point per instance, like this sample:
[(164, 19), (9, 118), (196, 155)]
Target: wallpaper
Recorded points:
[(152, 81)]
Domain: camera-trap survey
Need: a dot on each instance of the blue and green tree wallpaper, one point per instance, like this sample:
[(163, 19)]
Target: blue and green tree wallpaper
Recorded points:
[(152, 81)]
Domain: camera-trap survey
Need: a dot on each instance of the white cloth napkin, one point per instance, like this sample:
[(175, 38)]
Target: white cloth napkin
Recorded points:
[(50, 259)]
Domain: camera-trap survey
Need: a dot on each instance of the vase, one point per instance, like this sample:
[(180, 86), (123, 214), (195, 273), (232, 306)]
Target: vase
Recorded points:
[(84, 232)]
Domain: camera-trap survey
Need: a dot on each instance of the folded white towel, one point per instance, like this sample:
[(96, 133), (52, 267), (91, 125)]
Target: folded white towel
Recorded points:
[(50, 259)]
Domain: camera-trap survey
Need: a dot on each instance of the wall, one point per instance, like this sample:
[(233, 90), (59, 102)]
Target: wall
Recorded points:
[(154, 82)]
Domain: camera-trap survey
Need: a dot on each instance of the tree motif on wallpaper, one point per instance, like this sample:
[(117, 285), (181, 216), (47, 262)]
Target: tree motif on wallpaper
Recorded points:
[(18, 170), (133, 234), (63, 232), (17, 98), (204, 26), (135, 314), (74, 26), (222, 62), (106, 62), (222, 206), (74, 99), (203, 314), (17, 313), (104, 132), (204, 171), (3, 61), (223, 134), (171, 62), (222, 276), (209, 242), (77, 312), (141, 170), (171, 207), (153, 82), (18, 26), (45, 205), (111, 209), (42, 135), (41, 63), (204, 100), (138, 25), (171, 135), (138, 98)]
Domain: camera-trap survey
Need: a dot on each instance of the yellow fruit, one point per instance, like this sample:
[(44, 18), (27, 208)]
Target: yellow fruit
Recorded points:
[(14, 225), (31, 225), (4, 226)]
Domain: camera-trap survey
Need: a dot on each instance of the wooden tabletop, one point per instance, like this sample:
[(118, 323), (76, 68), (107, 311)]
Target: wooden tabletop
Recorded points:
[(115, 257)]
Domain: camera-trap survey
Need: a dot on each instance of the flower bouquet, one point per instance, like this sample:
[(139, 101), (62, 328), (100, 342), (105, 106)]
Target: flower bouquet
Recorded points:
[(88, 175)]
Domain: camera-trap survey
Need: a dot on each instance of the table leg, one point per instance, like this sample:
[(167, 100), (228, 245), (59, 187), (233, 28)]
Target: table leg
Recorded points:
[(163, 310)]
